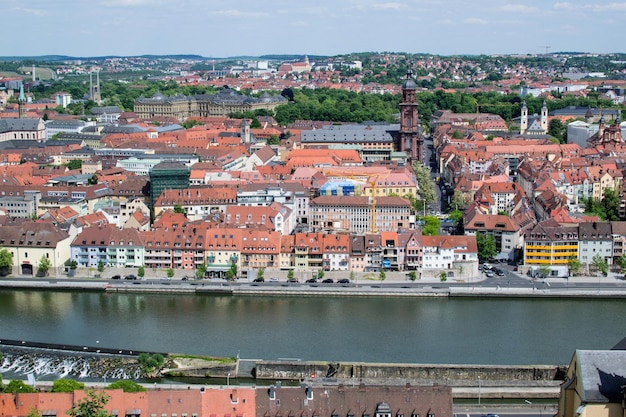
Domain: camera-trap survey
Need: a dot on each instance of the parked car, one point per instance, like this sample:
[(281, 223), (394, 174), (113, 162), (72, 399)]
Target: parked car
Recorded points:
[(130, 277), (116, 277), (343, 281), (260, 279), (292, 280), (328, 281), (311, 281), (490, 274), (274, 279), (500, 273)]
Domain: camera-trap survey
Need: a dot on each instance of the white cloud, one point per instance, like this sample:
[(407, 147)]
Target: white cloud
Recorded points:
[(36, 12), (517, 8), (237, 13), (611, 7), (299, 23), (445, 22), (564, 6), (131, 3), (388, 6), (475, 21), (596, 7)]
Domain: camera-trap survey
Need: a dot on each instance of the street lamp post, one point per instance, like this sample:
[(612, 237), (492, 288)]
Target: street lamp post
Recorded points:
[(478, 389), (228, 380)]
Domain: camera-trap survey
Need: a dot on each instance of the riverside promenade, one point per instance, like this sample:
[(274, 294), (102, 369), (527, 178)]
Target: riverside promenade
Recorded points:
[(396, 284)]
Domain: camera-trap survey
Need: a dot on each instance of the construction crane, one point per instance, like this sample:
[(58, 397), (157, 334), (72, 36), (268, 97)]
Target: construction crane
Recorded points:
[(547, 48), (374, 185)]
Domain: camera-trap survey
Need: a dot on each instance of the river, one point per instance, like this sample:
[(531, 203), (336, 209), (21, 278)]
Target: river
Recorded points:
[(342, 329)]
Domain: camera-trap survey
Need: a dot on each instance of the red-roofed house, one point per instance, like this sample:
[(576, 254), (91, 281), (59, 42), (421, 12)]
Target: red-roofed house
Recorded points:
[(457, 256)]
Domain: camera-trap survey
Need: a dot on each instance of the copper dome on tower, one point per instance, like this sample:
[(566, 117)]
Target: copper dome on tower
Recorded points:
[(409, 84)]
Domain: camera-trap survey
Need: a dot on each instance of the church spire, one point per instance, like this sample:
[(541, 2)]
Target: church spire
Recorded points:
[(21, 103)]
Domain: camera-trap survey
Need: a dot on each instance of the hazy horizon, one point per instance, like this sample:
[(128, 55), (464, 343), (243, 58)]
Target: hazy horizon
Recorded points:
[(219, 29)]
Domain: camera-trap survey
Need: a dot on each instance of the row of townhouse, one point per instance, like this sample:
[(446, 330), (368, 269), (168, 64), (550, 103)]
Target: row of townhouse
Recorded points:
[(553, 244), (275, 401), (189, 245), (281, 209), (576, 182)]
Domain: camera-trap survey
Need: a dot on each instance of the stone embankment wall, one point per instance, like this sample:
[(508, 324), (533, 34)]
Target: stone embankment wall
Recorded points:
[(459, 375)]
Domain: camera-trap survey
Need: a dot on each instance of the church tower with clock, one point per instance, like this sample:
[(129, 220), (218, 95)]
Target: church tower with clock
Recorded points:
[(410, 135)]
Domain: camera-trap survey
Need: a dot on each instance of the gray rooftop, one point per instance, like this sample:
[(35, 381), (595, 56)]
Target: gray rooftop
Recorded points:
[(12, 125), (351, 133), (105, 110), (65, 123), (602, 374)]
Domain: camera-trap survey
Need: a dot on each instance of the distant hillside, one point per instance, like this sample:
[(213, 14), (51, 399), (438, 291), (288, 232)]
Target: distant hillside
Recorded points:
[(60, 58), (54, 58), (46, 58), (292, 57)]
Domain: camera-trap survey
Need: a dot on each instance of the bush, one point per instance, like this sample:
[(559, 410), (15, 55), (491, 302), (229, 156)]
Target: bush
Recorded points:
[(150, 362), (18, 387), (67, 385), (126, 386)]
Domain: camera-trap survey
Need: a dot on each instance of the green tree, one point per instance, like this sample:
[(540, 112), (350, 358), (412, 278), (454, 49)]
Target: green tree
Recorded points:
[(557, 129), (260, 273), (621, 261), (412, 275), (290, 274), (34, 413), (44, 266), (352, 275), (150, 362), (573, 265), (141, 271), (255, 124), (90, 406), (188, 124), (18, 386), (431, 226), (601, 264), (486, 244), (320, 274), (443, 277), (67, 385), (426, 185), (607, 208), (545, 270), (74, 164), (232, 272), (100, 266), (382, 275), (178, 208), (611, 202), (6, 262), (200, 271), (273, 140), (127, 385), (170, 272), (459, 201)]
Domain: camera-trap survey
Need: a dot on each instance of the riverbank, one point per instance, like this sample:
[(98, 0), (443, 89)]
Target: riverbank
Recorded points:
[(542, 289), (467, 381)]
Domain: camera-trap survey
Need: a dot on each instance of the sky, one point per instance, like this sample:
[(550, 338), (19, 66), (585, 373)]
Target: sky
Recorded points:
[(224, 28)]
